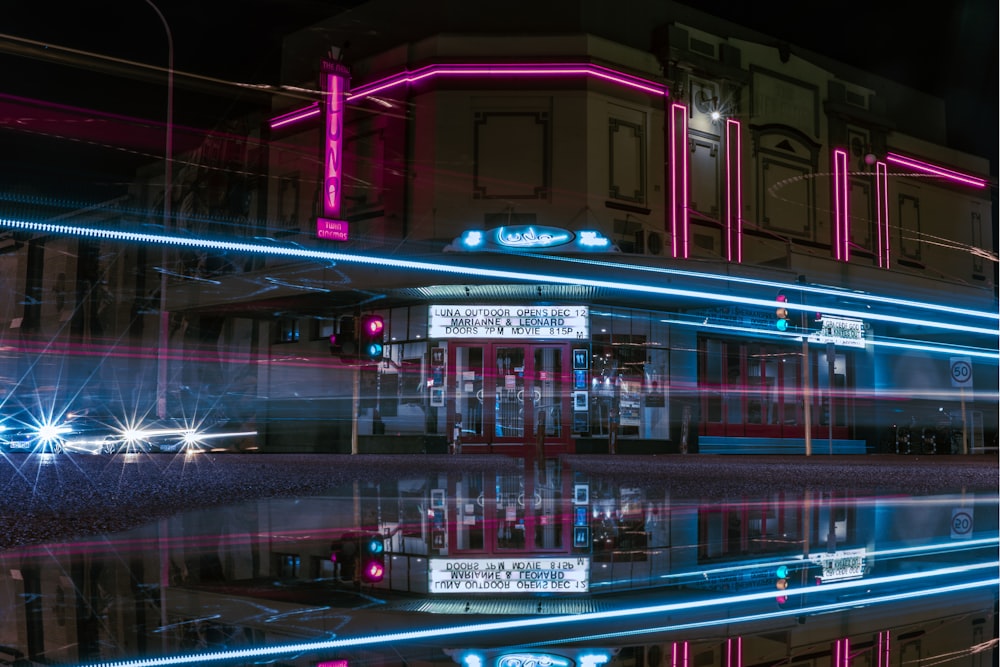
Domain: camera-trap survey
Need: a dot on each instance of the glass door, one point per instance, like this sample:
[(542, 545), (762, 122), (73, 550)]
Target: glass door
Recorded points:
[(504, 392)]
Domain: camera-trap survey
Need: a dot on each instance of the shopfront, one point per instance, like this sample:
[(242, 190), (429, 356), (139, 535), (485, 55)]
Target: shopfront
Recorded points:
[(510, 375)]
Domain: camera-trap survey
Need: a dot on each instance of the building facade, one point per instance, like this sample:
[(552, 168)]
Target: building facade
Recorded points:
[(658, 232), (580, 240)]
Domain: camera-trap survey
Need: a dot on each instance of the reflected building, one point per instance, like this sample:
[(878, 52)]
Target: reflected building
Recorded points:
[(487, 565)]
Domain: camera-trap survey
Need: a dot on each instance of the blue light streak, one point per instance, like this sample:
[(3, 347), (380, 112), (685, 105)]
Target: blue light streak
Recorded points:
[(800, 611), (811, 289), (618, 614), (437, 267)]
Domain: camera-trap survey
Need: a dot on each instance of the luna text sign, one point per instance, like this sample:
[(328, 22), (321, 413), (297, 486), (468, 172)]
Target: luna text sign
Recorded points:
[(509, 322), (509, 575)]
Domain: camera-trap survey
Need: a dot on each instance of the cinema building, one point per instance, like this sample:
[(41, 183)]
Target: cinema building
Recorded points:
[(655, 235)]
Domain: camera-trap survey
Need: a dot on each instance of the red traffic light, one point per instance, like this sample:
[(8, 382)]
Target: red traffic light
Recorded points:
[(374, 571), (373, 325)]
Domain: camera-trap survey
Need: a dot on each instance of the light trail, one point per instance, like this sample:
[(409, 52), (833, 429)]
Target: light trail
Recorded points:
[(800, 611), (438, 267), (614, 615)]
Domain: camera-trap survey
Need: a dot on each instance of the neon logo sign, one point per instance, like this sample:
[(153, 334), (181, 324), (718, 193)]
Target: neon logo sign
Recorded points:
[(334, 84), (528, 238)]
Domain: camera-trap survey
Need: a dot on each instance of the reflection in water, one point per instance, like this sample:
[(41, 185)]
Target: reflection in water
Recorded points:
[(551, 566)]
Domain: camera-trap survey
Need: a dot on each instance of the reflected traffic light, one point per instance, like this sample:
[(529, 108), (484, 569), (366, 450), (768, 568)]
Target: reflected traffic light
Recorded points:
[(781, 583), (373, 559)]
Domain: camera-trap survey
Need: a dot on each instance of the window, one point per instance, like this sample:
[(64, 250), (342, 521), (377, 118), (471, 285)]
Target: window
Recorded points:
[(288, 331), (752, 389)]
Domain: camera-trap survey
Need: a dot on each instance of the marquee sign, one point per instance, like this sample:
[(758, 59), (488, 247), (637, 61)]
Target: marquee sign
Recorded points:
[(841, 565), (840, 331), (509, 322), (523, 574)]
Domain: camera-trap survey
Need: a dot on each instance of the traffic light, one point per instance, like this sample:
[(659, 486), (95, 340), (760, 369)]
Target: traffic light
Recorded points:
[(370, 337), (782, 313), (372, 550), (344, 554), (344, 343), (781, 583)]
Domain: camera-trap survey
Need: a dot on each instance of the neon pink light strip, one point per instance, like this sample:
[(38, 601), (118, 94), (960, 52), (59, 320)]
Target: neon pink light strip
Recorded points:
[(496, 70), (679, 654), (734, 191), (842, 653), (734, 652), (927, 168), (882, 213), (334, 84), (884, 654), (295, 116), (511, 70), (679, 180), (841, 217)]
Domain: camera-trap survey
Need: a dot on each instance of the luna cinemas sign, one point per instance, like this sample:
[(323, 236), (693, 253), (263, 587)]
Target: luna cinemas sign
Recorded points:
[(509, 322), (531, 238)]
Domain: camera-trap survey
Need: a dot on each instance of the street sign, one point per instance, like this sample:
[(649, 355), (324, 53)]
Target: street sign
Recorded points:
[(961, 372), (961, 523)]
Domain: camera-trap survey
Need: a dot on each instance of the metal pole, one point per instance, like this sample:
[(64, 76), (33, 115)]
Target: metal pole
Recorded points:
[(164, 333), (831, 358), (806, 394)]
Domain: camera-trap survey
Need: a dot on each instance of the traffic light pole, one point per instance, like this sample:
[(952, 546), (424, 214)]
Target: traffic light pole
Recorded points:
[(806, 392), (355, 408)]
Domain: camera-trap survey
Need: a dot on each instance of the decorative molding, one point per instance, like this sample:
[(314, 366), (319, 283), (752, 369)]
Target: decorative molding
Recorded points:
[(519, 171)]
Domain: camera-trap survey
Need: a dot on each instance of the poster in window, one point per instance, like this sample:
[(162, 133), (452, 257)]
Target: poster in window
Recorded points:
[(581, 537), (437, 397), (580, 401), (580, 359), (581, 494), (579, 379), (630, 403)]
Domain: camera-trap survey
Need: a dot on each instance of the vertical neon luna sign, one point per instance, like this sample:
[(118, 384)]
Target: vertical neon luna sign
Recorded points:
[(334, 81)]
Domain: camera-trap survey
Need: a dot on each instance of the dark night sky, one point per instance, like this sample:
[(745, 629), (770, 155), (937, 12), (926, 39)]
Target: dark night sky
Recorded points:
[(950, 51)]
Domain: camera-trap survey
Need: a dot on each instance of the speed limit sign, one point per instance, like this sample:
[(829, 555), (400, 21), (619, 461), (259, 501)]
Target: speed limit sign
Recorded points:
[(961, 371), (961, 523)]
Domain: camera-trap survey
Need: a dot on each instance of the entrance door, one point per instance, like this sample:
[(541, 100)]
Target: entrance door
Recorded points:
[(505, 391)]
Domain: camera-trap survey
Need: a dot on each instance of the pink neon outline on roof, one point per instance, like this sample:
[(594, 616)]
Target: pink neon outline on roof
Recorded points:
[(295, 116), (928, 168), (494, 70)]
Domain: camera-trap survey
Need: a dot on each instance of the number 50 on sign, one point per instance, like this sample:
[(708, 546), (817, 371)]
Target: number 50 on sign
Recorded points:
[(961, 371)]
